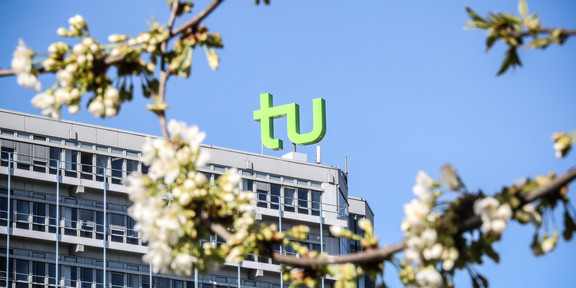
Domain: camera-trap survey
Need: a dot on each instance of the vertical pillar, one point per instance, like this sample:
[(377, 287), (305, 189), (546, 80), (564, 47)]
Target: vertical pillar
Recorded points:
[(195, 277), (239, 280), (105, 243), (150, 275), (321, 234), (57, 276), (8, 226), (280, 230)]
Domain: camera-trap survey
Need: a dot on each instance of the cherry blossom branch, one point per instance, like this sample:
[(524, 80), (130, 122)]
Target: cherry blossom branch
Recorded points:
[(190, 24), (165, 73), (381, 254)]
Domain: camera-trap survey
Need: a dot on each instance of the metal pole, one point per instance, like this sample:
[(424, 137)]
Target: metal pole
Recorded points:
[(8, 226), (56, 282), (195, 277), (105, 227), (280, 230), (321, 234), (150, 275), (239, 280)]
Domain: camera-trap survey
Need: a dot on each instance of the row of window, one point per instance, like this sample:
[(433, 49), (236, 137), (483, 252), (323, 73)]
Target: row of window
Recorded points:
[(90, 161), (291, 199), (69, 143), (36, 274), (80, 222), (85, 165)]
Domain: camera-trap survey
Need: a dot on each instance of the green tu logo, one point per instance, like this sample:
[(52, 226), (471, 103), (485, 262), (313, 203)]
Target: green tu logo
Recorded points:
[(268, 113)]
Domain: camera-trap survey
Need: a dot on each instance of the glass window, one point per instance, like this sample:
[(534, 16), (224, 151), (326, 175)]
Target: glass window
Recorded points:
[(275, 196), (101, 148), (55, 154), (39, 219), (86, 165), (118, 281), (87, 276), (262, 198), (55, 140), (23, 135), (71, 160), (247, 185), (275, 177), (7, 132), (22, 214), (131, 166), (117, 151), (131, 153), (302, 201), (117, 168), (289, 199), (316, 202), (101, 164), (22, 270)]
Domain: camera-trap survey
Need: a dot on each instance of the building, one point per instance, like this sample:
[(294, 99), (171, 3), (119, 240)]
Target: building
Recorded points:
[(63, 204)]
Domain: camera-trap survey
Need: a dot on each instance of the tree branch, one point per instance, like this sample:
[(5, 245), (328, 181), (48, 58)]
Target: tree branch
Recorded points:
[(381, 254), (198, 18)]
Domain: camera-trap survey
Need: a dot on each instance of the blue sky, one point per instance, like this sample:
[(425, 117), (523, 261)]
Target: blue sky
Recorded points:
[(406, 89)]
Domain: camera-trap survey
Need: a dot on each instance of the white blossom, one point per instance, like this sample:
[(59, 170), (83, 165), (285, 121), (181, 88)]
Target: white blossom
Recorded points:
[(429, 277)]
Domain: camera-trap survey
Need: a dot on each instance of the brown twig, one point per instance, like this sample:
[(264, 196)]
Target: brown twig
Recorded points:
[(165, 73), (381, 254)]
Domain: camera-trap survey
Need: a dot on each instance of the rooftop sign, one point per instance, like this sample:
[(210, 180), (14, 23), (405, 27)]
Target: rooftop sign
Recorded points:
[(268, 113)]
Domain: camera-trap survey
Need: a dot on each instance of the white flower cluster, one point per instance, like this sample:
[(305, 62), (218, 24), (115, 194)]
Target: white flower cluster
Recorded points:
[(422, 247), (145, 42), (22, 66), (174, 204), (494, 216), (106, 105), (76, 28)]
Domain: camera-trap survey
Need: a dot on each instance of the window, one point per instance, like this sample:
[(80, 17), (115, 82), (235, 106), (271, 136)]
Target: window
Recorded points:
[(39, 219), (316, 202), (22, 214), (118, 281), (71, 160), (262, 198), (302, 201), (23, 153), (101, 164), (86, 165), (40, 154), (87, 276), (117, 168), (289, 199), (3, 211), (275, 196), (55, 154), (247, 185), (22, 270), (131, 166), (7, 151)]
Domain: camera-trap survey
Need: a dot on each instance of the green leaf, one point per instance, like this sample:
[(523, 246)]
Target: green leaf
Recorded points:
[(523, 8), (492, 254), (510, 18), (569, 226), (490, 41), (539, 43), (484, 281), (474, 16), (510, 60)]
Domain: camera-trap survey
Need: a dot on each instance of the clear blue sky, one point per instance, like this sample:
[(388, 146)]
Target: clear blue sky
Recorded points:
[(406, 90)]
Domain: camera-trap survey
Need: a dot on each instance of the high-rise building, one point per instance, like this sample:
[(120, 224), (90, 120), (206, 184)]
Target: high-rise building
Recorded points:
[(63, 203)]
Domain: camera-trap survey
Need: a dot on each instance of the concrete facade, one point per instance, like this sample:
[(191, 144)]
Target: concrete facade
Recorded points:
[(63, 204)]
